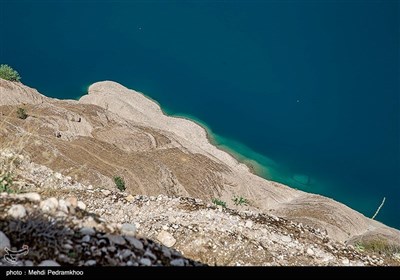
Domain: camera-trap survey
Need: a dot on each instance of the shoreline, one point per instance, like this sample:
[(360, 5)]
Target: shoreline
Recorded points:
[(252, 164), (239, 154), (211, 138), (143, 109)]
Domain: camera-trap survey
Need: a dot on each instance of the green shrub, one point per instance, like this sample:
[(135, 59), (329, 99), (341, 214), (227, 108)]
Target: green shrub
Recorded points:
[(120, 183), (21, 113), (219, 202), (9, 74), (239, 200), (6, 183), (377, 246)]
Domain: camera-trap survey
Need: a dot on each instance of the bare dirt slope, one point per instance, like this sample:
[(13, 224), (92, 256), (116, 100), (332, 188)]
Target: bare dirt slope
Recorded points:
[(116, 131)]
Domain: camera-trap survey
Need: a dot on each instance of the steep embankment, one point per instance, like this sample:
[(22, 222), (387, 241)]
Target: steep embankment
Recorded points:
[(66, 222), (117, 131)]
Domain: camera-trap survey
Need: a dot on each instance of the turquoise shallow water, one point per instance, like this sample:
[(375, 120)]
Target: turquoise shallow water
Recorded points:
[(307, 89)]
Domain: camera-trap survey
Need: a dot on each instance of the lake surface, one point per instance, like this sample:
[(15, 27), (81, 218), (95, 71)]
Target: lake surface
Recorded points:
[(307, 89)]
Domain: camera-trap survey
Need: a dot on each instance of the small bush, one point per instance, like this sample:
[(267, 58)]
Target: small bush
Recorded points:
[(120, 183), (239, 200), (21, 113), (219, 202), (6, 182), (9, 74)]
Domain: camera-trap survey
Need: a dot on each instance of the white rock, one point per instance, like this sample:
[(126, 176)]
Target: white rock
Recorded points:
[(58, 175), (72, 200), (249, 224), (90, 263), (4, 242), (34, 197), (81, 205), (128, 229), (106, 192), (345, 261), (165, 227), (166, 238), (17, 211), (63, 205), (286, 238), (49, 263), (49, 205), (310, 252)]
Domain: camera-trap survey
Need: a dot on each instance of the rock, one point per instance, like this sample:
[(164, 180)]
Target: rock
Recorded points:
[(345, 261), (34, 197), (17, 211), (81, 205), (166, 238), (249, 224), (87, 231), (73, 201), (134, 242), (63, 258), (68, 246), (116, 239), (130, 198), (145, 262), (310, 252), (286, 238), (63, 205), (128, 229), (86, 238), (49, 205), (58, 175), (150, 255), (110, 228), (106, 192), (4, 242), (90, 263), (28, 263), (177, 262), (166, 252), (49, 263), (126, 254), (111, 249), (90, 223)]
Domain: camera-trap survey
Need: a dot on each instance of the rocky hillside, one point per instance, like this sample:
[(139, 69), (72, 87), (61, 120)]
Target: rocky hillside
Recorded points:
[(65, 222), (114, 131)]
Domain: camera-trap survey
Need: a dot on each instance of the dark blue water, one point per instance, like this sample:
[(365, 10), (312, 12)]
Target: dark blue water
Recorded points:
[(309, 89)]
